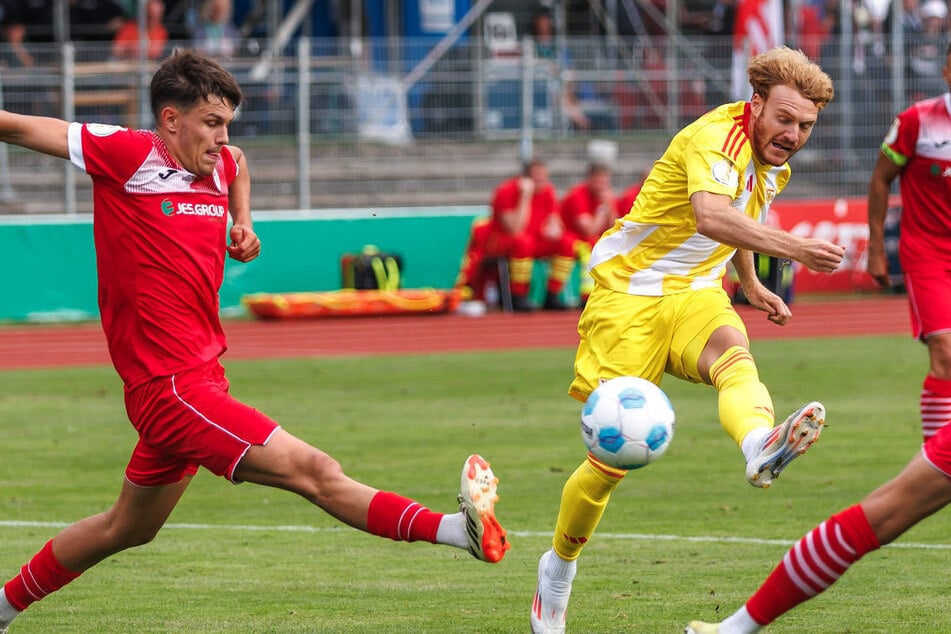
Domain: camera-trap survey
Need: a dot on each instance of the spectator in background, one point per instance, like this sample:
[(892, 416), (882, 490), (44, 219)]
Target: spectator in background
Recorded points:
[(716, 20), (813, 27), (126, 43), (926, 51), (871, 72), (26, 22), (524, 225), (829, 18), (543, 33), (911, 17), (214, 33), (179, 19), (95, 20)]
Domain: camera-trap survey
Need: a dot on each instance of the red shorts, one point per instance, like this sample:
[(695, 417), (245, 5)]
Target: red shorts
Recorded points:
[(937, 450), (929, 298), (189, 420)]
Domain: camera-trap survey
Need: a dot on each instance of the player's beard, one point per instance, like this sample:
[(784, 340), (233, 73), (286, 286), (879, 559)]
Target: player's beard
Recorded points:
[(763, 147)]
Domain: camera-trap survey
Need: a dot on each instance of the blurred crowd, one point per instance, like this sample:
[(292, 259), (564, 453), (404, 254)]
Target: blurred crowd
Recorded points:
[(207, 24)]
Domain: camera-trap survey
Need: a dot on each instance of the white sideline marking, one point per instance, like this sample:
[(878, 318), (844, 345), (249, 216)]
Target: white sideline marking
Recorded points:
[(296, 528)]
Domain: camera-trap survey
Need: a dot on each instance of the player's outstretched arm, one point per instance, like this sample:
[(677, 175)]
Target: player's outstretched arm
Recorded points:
[(718, 220), (43, 134)]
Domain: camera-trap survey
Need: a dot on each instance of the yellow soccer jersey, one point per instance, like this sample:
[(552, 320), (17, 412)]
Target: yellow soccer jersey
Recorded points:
[(655, 249)]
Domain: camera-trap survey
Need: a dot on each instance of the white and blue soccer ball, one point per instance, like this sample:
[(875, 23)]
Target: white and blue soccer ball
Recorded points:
[(627, 422)]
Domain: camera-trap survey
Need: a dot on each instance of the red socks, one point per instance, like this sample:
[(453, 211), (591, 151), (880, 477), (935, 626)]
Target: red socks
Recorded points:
[(813, 564), (935, 405), (401, 519), (38, 578)]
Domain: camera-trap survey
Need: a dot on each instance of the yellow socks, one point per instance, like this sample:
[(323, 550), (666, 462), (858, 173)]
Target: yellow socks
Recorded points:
[(744, 402), (583, 499)]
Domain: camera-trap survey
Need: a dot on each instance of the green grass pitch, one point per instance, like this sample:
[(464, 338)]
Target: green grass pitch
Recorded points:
[(250, 559)]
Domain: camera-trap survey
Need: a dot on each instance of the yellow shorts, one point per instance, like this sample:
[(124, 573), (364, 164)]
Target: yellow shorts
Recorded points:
[(636, 335)]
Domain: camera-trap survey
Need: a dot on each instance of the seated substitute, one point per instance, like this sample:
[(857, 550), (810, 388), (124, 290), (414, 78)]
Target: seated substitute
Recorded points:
[(524, 226), (588, 210), (590, 207)]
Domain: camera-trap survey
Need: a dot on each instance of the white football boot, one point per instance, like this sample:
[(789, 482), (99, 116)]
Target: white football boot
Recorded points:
[(784, 443), (551, 595), (477, 498)]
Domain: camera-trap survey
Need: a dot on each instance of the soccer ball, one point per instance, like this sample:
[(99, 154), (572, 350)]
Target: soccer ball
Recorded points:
[(627, 422)]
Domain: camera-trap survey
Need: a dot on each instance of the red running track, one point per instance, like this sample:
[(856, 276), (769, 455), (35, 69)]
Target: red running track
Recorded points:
[(37, 346)]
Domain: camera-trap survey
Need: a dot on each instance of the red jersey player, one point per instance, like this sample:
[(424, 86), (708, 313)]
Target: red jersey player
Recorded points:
[(918, 147), (589, 208), (524, 225), (161, 200), (826, 552)]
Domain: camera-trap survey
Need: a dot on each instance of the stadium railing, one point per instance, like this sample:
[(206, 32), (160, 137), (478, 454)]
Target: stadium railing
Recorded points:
[(332, 125)]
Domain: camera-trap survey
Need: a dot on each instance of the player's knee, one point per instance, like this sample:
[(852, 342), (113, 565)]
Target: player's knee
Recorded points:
[(142, 535), (734, 366), (123, 535), (941, 360), (322, 476)]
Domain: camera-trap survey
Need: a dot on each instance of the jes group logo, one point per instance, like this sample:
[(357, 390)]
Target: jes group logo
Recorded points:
[(209, 210)]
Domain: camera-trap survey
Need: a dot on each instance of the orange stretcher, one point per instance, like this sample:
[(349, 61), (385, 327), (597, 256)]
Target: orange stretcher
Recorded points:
[(349, 302)]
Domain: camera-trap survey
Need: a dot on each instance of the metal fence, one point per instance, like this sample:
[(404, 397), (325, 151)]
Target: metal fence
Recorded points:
[(344, 123)]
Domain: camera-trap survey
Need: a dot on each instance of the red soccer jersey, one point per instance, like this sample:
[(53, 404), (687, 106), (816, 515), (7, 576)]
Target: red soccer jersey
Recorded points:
[(581, 201), (544, 203), (920, 143), (160, 235)]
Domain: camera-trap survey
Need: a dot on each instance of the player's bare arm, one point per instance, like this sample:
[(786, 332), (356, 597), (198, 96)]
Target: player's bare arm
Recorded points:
[(42, 134), (245, 245), (759, 297), (879, 187), (719, 220)]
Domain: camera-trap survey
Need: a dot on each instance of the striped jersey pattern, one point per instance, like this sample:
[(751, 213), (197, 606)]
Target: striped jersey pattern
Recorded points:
[(655, 249)]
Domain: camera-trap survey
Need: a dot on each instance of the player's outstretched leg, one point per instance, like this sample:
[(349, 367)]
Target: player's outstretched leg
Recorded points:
[(477, 498), (552, 593), (784, 443)]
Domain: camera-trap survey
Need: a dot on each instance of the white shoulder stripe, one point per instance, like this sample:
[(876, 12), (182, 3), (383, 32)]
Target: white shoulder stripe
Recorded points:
[(74, 137)]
